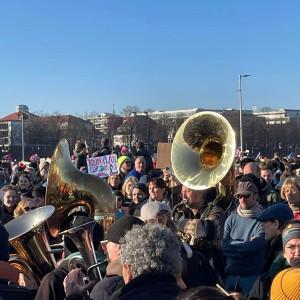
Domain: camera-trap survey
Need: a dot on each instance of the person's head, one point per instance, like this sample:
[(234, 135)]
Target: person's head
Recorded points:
[(252, 168), (114, 181), (81, 148), (138, 246), (26, 204), (31, 172), (24, 182), (140, 164), (139, 192), (139, 145), (10, 197), (124, 163), (44, 168), (128, 185), (286, 285), (155, 213), (205, 293), (274, 219), (193, 198), (266, 174), (38, 195), (247, 193), (157, 188), (115, 232), (290, 191), (291, 243)]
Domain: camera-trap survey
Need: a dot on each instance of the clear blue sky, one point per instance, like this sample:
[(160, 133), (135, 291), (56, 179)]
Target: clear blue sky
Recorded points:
[(75, 56)]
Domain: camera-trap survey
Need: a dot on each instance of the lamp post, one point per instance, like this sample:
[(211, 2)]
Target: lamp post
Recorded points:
[(22, 134), (241, 108)]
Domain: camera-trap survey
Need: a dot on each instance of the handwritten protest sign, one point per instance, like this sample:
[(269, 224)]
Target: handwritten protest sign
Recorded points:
[(103, 166)]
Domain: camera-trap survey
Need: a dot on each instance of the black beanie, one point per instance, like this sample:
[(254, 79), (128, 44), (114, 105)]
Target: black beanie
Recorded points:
[(4, 244), (117, 230)]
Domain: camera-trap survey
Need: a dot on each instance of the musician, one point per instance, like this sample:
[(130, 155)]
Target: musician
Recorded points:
[(199, 216), (203, 220)]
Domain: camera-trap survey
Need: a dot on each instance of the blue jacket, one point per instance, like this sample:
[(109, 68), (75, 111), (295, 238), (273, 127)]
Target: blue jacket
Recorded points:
[(244, 246)]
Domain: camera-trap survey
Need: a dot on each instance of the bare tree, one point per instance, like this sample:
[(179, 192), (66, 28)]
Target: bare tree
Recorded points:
[(129, 109)]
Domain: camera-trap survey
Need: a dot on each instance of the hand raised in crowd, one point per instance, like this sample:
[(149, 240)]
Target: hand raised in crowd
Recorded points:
[(74, 285), (27, 281)]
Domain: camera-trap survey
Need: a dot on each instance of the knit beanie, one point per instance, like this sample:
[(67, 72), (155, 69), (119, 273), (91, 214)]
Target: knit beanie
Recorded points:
[(121, 160), (286, 285), (291, 231)]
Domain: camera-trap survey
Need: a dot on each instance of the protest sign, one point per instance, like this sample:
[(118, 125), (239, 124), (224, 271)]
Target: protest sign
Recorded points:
[(103, 166)]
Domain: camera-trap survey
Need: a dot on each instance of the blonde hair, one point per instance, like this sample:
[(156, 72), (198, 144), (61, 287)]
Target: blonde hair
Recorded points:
[(132, 179), (289, 181), (21, 207)]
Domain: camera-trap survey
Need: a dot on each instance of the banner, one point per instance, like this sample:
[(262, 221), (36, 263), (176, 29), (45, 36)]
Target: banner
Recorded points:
[(163, 155), (103, 166)]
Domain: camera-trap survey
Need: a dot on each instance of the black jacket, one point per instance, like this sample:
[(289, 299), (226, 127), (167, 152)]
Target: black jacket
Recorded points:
[(149, 286)]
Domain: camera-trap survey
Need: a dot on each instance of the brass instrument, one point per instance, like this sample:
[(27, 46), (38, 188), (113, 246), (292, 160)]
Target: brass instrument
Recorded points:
[(203, 150), (28, 237), (82, 236), (69, 189)]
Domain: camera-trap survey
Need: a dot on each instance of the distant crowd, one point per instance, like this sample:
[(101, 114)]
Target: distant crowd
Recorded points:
[(237, 240)]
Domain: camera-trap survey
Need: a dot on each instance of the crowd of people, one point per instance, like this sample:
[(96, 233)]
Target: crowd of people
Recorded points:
[(169, 241)]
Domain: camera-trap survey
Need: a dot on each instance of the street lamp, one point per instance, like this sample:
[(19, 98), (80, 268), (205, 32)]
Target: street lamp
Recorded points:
[(241, 108), (22, 133)]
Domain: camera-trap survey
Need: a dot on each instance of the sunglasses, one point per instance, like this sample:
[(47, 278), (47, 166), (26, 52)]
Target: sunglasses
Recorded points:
[(29, 208), (243, 196)]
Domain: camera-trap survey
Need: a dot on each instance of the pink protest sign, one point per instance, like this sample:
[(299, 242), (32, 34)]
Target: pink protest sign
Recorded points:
[(103, 166)]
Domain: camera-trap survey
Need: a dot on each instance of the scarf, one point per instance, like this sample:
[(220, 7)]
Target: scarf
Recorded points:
[(249, 213)]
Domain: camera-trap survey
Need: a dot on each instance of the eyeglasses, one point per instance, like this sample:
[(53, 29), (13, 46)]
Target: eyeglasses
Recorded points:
[(243, 196), (29, 208)]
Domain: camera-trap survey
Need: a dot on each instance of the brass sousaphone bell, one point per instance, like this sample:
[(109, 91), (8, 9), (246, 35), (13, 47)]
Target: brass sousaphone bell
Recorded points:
[(68, 188), (203, 150)]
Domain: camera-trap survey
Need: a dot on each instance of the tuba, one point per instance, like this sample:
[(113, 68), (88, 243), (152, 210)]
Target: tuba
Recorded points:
[(27, 235), (203, 150), (69, 189)]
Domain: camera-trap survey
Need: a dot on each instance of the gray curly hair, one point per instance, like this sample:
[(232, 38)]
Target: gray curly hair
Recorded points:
[(151, 248)]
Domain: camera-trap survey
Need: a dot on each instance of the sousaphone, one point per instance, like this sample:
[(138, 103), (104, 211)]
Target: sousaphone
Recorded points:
[(203, 150), (68, 188)]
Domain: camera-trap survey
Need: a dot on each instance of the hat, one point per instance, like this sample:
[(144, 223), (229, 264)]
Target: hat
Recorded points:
[(245, 188), (4, 244), (122, 159), (117, 230), (150, 210), (124, 149), (291, 231), (279, 211), (286, 285)]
